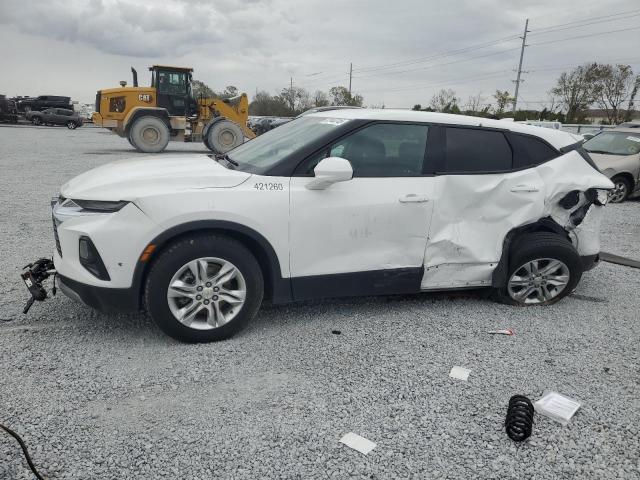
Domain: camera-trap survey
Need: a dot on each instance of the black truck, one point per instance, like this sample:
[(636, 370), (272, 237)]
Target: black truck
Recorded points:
[(43, 102)]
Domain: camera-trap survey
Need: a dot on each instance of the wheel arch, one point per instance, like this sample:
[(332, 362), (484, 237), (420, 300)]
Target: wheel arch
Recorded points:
[(547, 224), (138, 112), (627, 176), (277, 289)]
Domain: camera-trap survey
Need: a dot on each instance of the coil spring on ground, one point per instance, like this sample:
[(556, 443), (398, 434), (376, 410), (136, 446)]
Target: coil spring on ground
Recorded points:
[(519, 421)]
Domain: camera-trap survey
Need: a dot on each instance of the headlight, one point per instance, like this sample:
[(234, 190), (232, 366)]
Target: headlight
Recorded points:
[(64, 208), (100, 206)]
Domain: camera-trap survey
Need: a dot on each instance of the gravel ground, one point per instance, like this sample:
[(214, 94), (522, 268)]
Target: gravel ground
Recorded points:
[(109, 397)]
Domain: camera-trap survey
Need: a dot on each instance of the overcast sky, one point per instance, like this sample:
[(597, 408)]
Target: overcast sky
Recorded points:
[(402, 50)]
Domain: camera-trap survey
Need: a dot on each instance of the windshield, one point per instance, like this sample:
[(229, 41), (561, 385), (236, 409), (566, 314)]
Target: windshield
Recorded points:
[(265, 151), (614, 143)]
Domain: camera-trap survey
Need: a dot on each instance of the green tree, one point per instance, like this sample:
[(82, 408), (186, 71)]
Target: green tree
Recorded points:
[(577, 90), (342, 96), (202, 90), (503, 98), (614, 85), (320, 99), (445, 101)]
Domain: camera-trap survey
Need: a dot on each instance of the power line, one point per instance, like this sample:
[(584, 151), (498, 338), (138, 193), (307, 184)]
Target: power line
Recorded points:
[(441, 64), (332, 77), (584, 36), (542, 31), (601, 17), (489, 75), (438, 55), (537, 32)]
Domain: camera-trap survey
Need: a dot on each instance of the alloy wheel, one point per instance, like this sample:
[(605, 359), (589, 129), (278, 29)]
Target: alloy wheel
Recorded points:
[(619, 192), (206, 293), (538, 281)]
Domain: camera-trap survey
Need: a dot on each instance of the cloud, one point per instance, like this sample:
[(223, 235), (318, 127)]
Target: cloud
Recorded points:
[(131, 28), (263, 43)]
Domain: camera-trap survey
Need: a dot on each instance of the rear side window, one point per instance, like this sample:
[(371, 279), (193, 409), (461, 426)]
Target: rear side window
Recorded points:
[(470, 150), (530, 151)]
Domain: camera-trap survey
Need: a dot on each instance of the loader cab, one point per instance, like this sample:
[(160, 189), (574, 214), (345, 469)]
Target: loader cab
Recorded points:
[(173, 87)]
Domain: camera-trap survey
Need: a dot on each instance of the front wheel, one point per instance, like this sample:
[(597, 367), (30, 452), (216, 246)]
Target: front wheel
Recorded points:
[(72, 125), (621, 190), (223, 136), (204, 288), (543, 268), (149, 134), (36, 121)]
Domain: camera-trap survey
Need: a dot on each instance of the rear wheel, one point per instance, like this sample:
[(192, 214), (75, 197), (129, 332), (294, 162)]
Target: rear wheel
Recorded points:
[(36, 121), (204, 288), (149, 134), (223, 136), (621, 190), (543, 268), (71, 125)]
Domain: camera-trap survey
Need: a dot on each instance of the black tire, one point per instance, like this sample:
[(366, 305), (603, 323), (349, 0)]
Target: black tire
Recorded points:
[(36, 121), (149, 134), (174, 257), (539, 246), (224, 135), (72, 125), (621, 191)]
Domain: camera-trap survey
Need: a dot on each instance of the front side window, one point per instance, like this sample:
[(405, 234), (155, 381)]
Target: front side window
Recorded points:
[(172, 83), (472, 150), (614, 143), (267, 150), (382, 150)]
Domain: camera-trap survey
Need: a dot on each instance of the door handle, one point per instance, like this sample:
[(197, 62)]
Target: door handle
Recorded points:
[(524, 188), (413, 198)]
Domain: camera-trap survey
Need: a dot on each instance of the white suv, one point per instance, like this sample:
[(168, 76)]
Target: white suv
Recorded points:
[(337, 203)]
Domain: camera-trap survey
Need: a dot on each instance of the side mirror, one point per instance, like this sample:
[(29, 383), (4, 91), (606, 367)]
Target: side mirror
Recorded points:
[(329, 171)]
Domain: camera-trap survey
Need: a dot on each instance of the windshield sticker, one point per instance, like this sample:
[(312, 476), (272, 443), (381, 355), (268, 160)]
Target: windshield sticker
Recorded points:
[(334, 121), (634, 139)]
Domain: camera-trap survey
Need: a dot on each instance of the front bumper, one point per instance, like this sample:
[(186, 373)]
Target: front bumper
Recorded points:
[(120, 300)]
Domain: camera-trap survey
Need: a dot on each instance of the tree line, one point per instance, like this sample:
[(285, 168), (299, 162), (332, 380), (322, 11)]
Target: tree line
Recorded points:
[(291, 101), (612, 88)]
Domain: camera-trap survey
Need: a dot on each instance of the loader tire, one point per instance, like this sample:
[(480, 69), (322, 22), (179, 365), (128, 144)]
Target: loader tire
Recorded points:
[(149, 134), (223, 136)]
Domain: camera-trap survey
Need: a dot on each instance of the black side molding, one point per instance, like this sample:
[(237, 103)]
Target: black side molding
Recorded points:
[(376, 282)]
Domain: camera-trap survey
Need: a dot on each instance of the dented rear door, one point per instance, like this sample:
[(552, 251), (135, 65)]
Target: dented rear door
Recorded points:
[(481, 195)]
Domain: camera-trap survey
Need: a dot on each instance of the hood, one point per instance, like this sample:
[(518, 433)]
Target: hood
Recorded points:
[(134, 178)]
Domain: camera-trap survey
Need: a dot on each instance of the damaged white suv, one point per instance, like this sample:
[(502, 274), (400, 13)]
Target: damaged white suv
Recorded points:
[(338, 203)]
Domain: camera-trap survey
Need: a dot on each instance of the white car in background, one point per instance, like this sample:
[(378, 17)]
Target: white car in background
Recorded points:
[(617, 154), (336, 203)]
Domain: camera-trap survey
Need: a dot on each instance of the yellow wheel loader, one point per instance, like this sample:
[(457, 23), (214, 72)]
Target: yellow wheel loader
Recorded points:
[(151, 116)]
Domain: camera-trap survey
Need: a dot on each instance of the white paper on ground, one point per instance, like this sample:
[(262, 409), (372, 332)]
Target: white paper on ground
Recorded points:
[(459, 373), (557, 406), (358, 443)]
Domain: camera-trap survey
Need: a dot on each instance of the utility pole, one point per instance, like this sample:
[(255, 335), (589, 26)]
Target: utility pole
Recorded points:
[(517, 81), (350, 76), (291, 98)]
